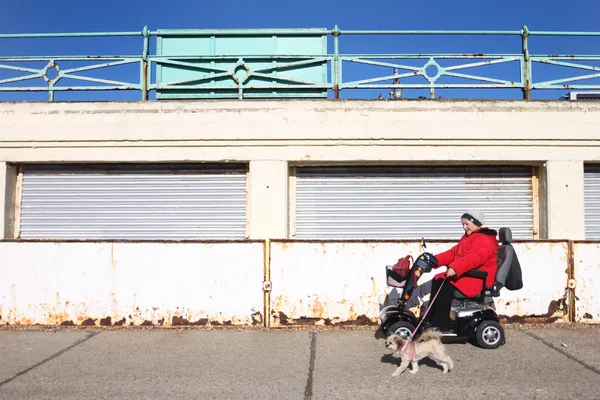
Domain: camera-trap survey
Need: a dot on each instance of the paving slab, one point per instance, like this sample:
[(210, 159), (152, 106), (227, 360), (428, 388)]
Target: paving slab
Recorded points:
[(288, 364), (580, 342), (171, 364), (357, 366), (21, 350)]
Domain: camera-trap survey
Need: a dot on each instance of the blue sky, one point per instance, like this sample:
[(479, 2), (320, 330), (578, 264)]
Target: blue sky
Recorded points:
[(36, 16)]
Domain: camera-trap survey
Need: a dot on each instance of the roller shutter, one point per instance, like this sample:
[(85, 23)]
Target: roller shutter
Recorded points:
[(133, 202), (592, 201), (409, 202)]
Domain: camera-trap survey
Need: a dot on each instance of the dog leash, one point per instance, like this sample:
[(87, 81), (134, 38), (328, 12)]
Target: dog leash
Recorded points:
[(410, 339)]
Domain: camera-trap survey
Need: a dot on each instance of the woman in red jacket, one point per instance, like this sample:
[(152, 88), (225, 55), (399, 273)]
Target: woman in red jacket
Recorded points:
[(477, 249)]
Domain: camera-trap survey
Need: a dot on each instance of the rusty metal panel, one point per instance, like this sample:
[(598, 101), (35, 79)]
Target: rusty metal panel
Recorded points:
[(331, 282), (545, 274), (344, 282), (131, 283), (587, 276)]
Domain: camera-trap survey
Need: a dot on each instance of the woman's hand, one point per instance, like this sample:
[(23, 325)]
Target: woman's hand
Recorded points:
[(451, 272)]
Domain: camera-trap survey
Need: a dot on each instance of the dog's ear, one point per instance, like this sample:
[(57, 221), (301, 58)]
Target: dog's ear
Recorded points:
[(399, 341)]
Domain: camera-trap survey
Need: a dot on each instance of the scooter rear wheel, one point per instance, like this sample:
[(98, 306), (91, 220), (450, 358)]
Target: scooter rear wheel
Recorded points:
[(401, 328), (489, 335)]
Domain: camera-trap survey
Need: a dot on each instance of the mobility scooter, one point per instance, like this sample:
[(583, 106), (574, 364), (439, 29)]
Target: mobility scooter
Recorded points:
[(473, 318)]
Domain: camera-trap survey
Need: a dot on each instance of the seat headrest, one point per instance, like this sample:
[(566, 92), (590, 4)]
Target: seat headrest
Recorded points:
[(505, 235)]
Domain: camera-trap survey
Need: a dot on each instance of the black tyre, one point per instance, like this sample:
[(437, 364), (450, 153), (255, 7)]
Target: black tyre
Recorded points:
[(489, 335), (401, 328)]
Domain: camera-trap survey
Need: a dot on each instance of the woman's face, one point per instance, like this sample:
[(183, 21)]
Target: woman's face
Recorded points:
[(468, 226)]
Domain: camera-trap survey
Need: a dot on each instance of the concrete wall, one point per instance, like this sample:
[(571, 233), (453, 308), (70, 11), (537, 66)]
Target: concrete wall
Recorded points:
[(337, 281), (587, 277), (557, 137), (300, 131), (216, 283), (131, 283), (564, 197), (268, 199)]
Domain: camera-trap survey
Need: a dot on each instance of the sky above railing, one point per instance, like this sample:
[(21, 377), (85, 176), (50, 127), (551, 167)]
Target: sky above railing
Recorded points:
[(77, 16)]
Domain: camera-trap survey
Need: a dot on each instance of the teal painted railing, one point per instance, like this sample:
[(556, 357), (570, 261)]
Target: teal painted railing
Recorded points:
[(428, 72)]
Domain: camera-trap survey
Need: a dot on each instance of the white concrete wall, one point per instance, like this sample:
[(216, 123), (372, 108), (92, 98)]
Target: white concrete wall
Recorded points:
[(268, 199), (556, 136), (135, 283), (338, 281), (587, 281), (564, 197), (131, 283)]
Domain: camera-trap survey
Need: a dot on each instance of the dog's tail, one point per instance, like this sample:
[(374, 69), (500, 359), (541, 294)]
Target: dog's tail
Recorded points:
[(429, 335)]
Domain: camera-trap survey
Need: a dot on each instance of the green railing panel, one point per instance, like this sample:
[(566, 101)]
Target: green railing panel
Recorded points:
[(292, 63), (246, 64)]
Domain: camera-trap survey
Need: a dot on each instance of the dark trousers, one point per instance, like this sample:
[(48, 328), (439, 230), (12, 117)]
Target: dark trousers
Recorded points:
[(439, 313)]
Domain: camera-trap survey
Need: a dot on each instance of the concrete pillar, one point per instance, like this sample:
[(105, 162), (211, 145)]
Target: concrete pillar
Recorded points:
[(565, 215), (268, 200), (8, 180)]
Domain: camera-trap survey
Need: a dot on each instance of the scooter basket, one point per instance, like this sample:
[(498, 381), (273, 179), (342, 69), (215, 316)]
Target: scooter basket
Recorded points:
[(393, 279), (398, 273)]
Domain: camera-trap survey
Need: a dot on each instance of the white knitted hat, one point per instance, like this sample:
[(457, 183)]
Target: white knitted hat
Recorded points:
[(475, 216)]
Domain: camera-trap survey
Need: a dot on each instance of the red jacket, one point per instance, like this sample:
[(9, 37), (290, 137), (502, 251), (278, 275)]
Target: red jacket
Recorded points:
[(476, 251)]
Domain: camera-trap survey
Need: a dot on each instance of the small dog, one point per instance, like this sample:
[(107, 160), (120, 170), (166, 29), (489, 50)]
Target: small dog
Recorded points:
[(428, 344)]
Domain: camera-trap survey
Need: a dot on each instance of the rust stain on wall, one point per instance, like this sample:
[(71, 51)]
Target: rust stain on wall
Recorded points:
[(113, 274), (138, 318), (557, 310), (283, 245), (317, 308), (318, 313)]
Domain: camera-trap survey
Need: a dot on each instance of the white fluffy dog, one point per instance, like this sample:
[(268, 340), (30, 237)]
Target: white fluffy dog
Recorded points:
[(427, 344)]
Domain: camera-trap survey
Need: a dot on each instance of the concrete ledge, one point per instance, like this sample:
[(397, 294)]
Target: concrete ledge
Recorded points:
[(300, 131)]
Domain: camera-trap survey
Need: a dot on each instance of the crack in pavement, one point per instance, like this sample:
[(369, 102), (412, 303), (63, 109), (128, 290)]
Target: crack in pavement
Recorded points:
[(53, 356), (561, 351), (311, 368)]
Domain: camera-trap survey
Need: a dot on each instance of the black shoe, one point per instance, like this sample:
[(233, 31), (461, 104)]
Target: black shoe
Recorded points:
[(426, 326)]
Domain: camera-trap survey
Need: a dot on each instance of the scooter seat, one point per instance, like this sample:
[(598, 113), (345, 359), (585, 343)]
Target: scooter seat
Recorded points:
[(460, 296)]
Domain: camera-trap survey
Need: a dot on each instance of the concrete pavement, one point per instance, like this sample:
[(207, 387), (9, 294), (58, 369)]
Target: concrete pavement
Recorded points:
[(546, 362)]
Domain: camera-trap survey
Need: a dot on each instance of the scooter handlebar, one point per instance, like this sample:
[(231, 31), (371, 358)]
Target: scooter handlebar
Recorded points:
[(426, 262)]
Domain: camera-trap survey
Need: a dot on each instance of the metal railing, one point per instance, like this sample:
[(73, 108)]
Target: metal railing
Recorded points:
[(428, 72)]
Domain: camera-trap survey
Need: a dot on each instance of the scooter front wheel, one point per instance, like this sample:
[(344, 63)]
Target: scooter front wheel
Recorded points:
[(402, 328)]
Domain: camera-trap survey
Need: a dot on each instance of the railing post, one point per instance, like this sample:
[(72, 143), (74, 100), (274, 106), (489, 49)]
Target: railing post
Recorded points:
[(526, 64), (336, 62), (145, 67), (50, 82)]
